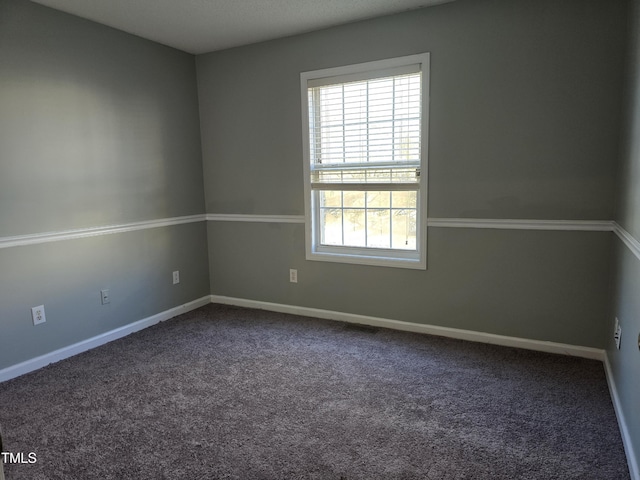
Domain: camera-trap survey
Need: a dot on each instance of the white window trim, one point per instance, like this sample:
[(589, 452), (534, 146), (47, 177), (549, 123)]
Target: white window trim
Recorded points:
[(355, 255)]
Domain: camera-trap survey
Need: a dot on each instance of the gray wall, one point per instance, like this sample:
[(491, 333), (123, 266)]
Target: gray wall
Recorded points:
[(97, 127), (625, 363), (525, 116)]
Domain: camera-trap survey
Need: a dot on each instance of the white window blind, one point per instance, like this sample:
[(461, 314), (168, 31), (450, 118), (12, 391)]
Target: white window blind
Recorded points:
[(366, 132)]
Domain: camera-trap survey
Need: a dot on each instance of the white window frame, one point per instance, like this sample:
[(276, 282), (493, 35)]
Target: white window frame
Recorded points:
[(362, 255)]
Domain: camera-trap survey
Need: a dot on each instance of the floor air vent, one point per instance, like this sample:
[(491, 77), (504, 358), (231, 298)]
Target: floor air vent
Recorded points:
[(355, 327)]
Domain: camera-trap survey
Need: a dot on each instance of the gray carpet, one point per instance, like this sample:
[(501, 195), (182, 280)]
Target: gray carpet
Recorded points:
[(232, 393)]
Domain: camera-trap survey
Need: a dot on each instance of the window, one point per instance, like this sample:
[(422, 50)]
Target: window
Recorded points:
[(365, 150)]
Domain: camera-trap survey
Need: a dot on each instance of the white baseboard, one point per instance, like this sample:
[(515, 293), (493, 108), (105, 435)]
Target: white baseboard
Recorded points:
[(470, 335), (632, 461), (66, 352), (538, 345)]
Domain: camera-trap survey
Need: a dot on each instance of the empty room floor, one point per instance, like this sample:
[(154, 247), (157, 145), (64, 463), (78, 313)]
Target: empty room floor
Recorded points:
[(228, 392)]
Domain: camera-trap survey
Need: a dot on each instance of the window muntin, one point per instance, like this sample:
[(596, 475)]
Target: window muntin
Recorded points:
[(363, 165)]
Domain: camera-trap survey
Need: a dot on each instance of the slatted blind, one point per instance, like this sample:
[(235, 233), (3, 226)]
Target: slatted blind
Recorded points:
[(364, 130)]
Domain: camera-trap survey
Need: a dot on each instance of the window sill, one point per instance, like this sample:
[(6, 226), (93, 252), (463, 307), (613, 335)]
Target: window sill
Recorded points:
[(412, 262)]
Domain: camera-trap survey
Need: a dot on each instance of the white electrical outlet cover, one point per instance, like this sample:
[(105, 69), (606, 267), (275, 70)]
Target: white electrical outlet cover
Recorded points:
[(37, 314), (104, 296)]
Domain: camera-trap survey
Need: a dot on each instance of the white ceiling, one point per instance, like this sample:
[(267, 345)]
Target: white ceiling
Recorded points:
[(200, 26)]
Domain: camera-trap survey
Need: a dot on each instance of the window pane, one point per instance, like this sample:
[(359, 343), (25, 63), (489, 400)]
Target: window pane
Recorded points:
[(378, 228), (355, 102), (354, 228), (351, 176), (403, 224), (331, 198), (378, 199), (354, 199), (407, 140), (381, 99), (407, 97), (355, 142), (404, 199), (337, 176), (381, 142), (331, 226), (331, 144), (331, 104)]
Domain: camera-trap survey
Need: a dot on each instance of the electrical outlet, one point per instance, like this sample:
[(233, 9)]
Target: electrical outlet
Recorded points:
[(176, 277), (104, 296), (37, 314), (293, 275)]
